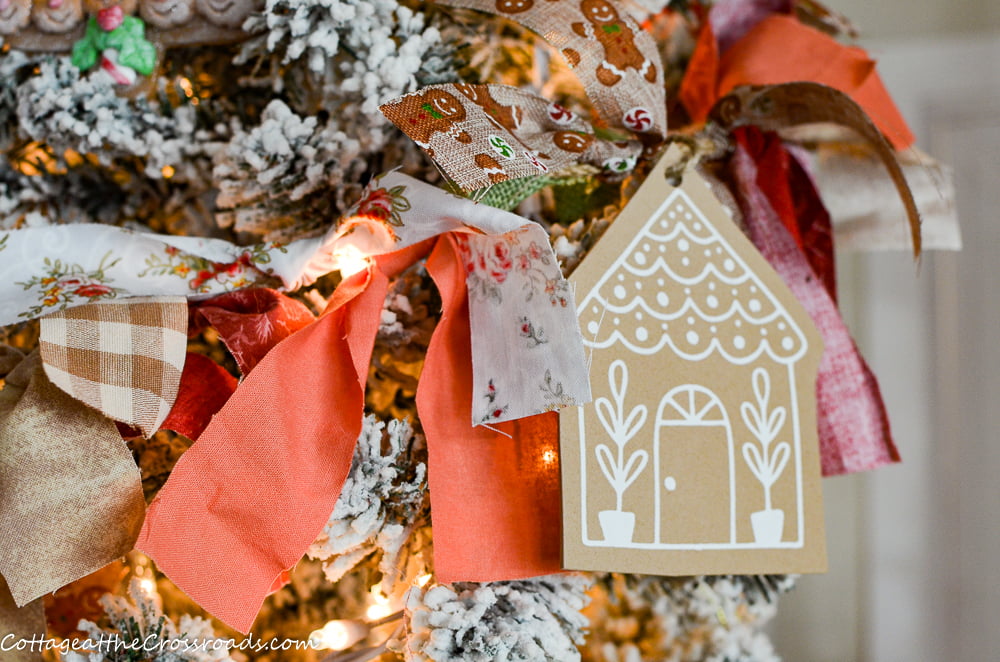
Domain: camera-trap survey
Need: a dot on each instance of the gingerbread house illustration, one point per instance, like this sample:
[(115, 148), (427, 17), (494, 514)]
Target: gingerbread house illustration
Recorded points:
[(701, 437)]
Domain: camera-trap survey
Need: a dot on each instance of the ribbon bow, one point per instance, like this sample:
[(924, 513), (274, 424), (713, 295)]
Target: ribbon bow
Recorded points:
[(621, 71), (227, 547)]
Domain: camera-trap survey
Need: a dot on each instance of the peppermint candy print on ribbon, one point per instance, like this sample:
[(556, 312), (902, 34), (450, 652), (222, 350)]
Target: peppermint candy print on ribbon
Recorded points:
[(559, 115), (486, 134), (638, 119), (617, 62)]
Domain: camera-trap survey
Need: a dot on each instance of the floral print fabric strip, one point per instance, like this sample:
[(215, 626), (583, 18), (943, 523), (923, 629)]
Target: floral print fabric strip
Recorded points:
[(55, 268), (516, 290), (517, 296)]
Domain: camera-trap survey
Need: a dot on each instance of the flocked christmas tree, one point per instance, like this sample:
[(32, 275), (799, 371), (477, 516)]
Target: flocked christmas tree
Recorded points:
[(260, 122)]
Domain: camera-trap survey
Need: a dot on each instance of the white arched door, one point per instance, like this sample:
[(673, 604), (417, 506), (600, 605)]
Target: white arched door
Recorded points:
[(690, 407)]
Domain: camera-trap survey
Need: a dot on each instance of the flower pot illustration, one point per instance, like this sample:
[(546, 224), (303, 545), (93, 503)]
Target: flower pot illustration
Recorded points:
[(768, 526), (765, 462), (617, 526)]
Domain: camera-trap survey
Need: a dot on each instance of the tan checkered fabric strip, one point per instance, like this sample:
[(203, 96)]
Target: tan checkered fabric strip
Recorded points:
[(123, 358)]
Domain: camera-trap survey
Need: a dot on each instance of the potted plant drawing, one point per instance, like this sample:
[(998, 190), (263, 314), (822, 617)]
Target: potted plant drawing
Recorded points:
[(618, 524), (765, 462)]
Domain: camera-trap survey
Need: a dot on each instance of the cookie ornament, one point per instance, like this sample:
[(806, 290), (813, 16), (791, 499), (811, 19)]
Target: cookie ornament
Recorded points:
[(166, 14), (116, 41), (57, 16), (225, 13), (14, 15)]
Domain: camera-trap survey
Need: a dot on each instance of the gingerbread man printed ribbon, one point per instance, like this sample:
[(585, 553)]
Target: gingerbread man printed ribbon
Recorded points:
[(617, 62), (486, 134)]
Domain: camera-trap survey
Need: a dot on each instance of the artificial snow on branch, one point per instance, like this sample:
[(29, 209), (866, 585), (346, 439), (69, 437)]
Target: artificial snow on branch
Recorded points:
[(268, 174), (139, 630), (83, 113), (533, 620), (380, 502), (683, 619), (379, 48)]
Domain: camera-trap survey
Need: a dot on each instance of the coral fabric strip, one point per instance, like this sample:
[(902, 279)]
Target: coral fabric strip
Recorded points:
[(778, 50), (225, 547), (494, 489)]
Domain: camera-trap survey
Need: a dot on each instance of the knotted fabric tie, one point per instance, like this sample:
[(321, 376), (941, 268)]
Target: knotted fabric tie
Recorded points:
[(777, 50), (853, 427), (494, 489), (246, 500)]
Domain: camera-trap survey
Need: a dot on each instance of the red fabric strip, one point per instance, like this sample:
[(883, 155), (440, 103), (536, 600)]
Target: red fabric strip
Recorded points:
[(205, 388), (250, 322), (698, 87), (495, 498), (814, 225), (793, 197), (854, 430)]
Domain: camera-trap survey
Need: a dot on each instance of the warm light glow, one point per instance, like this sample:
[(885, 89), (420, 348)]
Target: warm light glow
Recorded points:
[(185, 84), (381, 608), (337, 635), (549, 456), (350, 260), (147, 586), (167, 171), (375, 612), (422, 580)]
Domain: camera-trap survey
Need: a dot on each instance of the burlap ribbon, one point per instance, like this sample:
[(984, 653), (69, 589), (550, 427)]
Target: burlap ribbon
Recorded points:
[(617, 62), (70, 494), (487, 134)]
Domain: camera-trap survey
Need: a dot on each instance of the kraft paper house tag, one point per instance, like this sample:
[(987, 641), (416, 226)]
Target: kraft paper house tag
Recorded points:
[(699, 453)]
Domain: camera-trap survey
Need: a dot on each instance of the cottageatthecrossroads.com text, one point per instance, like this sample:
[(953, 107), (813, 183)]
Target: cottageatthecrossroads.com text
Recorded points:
[(151, 643)]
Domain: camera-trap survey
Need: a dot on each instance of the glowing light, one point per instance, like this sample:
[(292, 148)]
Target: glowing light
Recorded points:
[(147, 586), (381, 608), (549, 456), (350, 260), (167, 171), (423, 579), (337, 635), (375, 612)]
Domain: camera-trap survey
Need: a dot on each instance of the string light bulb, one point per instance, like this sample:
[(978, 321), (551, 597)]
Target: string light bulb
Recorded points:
[(380, 608), (338, 635), (350, 260)]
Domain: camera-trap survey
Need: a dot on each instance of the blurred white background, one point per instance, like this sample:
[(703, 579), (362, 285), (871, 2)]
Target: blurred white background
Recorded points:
[(915, 548)]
